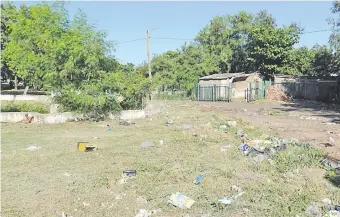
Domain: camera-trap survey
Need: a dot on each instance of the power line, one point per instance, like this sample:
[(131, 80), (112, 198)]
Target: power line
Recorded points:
[(324, 30), (184, 39), (190, 39), (138, 39)]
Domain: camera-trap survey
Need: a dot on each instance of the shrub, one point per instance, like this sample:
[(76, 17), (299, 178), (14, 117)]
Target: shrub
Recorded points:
[(112, 93), (23, 107)]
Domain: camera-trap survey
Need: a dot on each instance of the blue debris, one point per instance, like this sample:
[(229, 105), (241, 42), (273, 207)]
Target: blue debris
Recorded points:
[(198, 179)]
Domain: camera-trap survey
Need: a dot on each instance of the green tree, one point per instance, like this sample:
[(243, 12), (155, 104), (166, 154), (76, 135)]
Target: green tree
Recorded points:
[(271, 47), (300, 62), (8, 11)]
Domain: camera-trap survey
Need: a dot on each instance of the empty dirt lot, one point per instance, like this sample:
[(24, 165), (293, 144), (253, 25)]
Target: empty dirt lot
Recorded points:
[(309, 122), (43, 174)]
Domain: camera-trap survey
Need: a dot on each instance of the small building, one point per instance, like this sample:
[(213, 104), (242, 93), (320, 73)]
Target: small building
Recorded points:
[(238, 82)]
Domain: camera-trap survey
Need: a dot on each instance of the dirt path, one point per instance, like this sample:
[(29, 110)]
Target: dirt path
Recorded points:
[(310, 122)]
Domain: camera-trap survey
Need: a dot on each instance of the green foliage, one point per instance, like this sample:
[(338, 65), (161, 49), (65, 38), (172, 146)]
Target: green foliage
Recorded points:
[(112, 93), (297, 157), (23, 107), (270, 47), (89, 99), (49, 51)]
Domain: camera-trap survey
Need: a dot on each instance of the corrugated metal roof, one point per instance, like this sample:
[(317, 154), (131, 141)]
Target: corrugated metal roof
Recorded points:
[(223, 76)]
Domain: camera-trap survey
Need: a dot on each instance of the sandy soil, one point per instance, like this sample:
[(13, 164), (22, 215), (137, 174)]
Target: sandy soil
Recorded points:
[(315, 123)]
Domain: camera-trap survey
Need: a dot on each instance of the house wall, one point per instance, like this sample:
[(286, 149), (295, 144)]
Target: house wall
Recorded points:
[(239, 87)]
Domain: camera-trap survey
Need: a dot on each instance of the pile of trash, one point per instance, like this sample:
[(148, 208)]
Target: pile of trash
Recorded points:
[(275, 93), (262, 149), (316, 209)]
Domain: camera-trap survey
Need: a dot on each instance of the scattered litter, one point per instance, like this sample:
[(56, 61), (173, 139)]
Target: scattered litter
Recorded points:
[(230, 200), (329, 123), (95, 137), (66, 174), (143, 213), (126, 123), (181, 201), (232, 123), (225, 147), (198, 179), (64, 215), (308, 118), (334, 213), (125, 178), (141, 201), (86, 147), (109, 128), (223, 126), (327, 144), (236, 188), (33, 148), (327, 201), (146, 144), (259, 153), (332, 163), (331, 140), (313, 210), (187, 126), (240, 133), (118, 197), (161, 142), (86, 204), (226, 200), (168, 123), (130, 172)]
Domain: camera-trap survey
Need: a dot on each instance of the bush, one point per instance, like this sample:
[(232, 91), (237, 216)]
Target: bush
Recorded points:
[(23, 107), (112, 93), (90, 100)]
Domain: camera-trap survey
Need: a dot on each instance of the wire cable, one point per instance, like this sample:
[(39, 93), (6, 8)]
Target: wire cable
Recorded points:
[(191, 39), (138, 39)]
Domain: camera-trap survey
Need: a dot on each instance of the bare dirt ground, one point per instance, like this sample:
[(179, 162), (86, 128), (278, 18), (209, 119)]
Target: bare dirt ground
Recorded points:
[(311, 122)]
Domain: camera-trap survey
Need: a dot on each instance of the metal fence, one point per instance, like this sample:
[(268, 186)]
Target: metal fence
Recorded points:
[(256, 90), (316, 90), (213, 92)]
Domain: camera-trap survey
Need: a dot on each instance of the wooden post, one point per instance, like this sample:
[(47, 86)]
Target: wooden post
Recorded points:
[(15, 82)]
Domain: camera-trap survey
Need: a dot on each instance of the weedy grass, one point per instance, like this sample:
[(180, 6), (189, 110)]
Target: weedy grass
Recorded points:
[(34, 182)]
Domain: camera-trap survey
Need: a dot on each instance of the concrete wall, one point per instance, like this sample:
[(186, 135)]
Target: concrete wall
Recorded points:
[(24, 98), (63, 117), (17, 116)]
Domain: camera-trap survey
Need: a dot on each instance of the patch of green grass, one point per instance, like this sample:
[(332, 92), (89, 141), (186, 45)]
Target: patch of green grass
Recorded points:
[(298, 156), (24, 107)]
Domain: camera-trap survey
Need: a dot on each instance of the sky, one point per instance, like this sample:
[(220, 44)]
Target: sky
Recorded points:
[(126, 21)]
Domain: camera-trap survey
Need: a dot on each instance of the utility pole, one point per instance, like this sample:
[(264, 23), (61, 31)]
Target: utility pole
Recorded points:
[(148, 53)]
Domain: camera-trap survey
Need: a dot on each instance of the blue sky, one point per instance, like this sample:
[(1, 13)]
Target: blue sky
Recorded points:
[(125, 21)]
